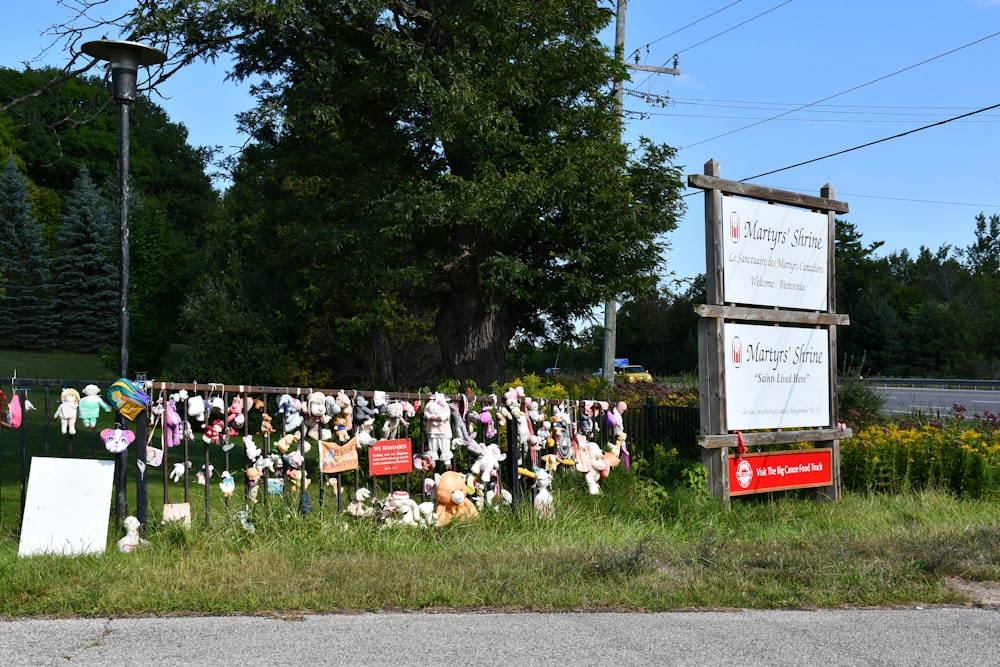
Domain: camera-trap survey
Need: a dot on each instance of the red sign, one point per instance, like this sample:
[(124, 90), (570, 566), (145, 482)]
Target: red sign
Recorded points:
[(390, 457), (778, 471)]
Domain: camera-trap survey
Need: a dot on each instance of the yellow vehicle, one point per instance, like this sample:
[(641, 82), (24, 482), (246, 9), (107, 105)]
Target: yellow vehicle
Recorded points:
[(633, 373)]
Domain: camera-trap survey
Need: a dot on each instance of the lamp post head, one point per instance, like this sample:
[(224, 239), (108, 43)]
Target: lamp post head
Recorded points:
[(125, 58)]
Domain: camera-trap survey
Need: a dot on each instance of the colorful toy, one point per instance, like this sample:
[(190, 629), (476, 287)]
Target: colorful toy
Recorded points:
[(91, 405), (487, 465), (227, 484), (69, 407), (235, 419), (117, 440), (171, 423)]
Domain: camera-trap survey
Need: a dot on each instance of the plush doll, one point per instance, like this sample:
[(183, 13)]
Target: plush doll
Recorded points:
[(171, 423), (227, 484), (253, 483), (196, 408), (438, 417), (287, 441), (487, 466), (316, 414), (235, 419), (363, 414), (452, 499), (396, 414), (486, 421), (399, 508), (204, 474), (91, 405), (69, 407), (289, 408), (592, 463), (266, 427), (179, 470), (458, 409), (213, 432), (544, 506)]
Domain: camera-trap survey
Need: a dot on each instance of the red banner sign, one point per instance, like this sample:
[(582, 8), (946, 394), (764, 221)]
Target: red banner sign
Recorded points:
[(778, 471), (390, 457)]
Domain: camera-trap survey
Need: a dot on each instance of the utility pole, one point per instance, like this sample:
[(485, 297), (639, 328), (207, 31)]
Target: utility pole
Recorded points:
[(611, 303)]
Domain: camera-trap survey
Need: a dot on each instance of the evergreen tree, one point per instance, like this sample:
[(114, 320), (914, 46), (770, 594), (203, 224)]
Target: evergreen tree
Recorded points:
[(27, 309), (88, 296)]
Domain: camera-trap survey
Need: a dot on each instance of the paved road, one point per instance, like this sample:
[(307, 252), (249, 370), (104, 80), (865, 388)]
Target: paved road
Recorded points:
[(905, 400), (939, 636)]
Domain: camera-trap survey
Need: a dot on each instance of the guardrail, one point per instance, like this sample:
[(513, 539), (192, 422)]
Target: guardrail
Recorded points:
[(988, 385)]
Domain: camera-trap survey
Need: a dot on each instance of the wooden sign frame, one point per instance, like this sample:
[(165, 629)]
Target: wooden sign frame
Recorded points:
[(716, 439)]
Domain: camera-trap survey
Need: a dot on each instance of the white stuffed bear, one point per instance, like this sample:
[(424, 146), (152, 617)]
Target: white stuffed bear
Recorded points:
[(544, 505)]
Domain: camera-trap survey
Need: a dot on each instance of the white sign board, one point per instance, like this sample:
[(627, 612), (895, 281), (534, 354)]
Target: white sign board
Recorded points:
[(67, 506), (776, 377), (774, 255)]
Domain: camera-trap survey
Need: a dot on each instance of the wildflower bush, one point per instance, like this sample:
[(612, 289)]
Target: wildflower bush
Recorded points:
[(960, 454)]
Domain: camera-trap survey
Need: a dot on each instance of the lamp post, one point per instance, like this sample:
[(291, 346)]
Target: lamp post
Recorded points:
[(125, 57)]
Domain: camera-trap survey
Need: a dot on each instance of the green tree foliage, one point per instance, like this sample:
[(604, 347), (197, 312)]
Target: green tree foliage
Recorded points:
[(87, 273), (74, 125), (27, 309), (449, 168)]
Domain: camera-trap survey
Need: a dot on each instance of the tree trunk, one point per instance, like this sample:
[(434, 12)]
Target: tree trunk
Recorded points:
[(474, 337)]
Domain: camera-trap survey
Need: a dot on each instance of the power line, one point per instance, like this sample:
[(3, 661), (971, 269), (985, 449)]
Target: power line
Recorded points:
[(843, 92), (743, 23), (872, 143)]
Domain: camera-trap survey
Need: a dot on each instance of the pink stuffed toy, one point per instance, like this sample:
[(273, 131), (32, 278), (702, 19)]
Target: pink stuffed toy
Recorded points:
[(172, 424)]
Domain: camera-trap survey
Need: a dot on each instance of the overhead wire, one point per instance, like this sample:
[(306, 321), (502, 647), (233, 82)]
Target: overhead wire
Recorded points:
[(843, 92)]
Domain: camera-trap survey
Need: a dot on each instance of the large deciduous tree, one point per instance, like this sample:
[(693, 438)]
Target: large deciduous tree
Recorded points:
[(452, 160)]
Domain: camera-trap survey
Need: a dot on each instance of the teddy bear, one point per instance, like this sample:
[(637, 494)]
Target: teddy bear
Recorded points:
[(361, 505), (91, 405), (452, 499), (363, 413), (438, 418), (396, 415), (266, 427), (69, 408)]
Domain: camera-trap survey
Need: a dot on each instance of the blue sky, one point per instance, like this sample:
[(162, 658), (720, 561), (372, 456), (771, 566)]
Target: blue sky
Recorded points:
[(764, 85)]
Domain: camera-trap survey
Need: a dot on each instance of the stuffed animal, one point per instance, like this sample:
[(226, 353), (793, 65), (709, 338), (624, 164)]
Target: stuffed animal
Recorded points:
[(196, 408), (486, 421), (69, 407), (396, 415), (179, 469), (361, 505), (459, 409), (117, 440), (363, 414), (289, 408), (205, 474), (171, 423), (399, 508), (132, 540), (227, 484), (287, 441), (438, 417), (544, 506), (91, 405), (487, 466), (253, 483), (213, 432), (266, 427), (592, 463), (452, 499), (235, 419), (316, 414)]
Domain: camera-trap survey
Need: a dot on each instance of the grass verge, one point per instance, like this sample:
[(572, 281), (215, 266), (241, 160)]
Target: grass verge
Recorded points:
[(604, 552)]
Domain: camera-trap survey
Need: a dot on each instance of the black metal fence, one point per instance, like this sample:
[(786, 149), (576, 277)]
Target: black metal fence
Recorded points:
[(186, 469)]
